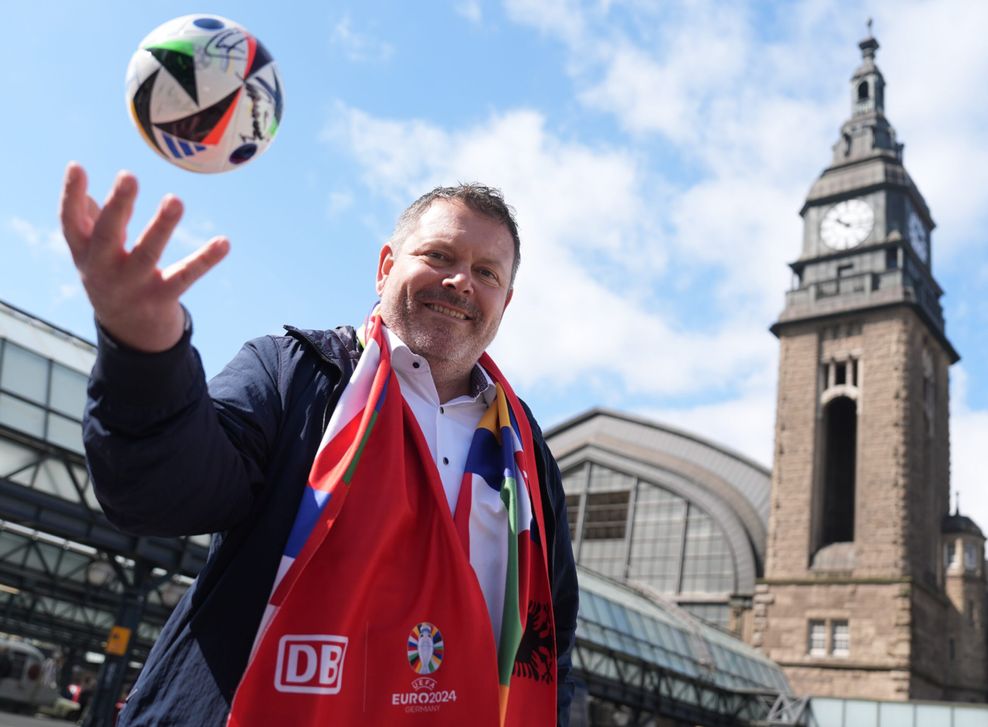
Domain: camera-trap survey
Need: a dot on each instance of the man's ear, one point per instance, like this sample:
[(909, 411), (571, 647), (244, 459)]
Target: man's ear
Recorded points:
[(385, 262)]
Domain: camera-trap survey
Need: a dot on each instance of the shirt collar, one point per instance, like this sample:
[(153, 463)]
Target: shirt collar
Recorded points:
[(411, 365)]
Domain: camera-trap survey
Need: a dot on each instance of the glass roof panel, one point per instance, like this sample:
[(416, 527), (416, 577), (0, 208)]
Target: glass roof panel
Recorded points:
[(665, 635)]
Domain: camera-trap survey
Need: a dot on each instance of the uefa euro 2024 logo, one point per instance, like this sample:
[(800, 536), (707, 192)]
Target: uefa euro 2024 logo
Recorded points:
[(425, 648)]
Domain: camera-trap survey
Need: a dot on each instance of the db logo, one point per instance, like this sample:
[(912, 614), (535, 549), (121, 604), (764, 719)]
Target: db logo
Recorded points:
[(310, 663)]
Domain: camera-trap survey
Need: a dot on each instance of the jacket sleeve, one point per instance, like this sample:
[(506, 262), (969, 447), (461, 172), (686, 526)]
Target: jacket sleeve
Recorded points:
[(166, 458), (565, 593), (565, 588)]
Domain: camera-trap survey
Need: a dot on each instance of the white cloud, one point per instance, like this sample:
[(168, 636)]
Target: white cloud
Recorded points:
[(191, 235), (745, 423), (968, 434), (563, 18), (592, 249), (359, 47), (48, 244), (471, 10), (669, 90), (42, 238), (67, 292), (740, 113), (934, 60)]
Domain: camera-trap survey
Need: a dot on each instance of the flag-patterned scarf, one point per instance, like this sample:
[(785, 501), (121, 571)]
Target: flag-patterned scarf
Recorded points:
[(392, 574)]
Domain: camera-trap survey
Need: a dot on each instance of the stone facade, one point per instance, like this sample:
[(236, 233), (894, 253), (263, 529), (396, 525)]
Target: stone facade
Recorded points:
[(863, 598), (886, 585)]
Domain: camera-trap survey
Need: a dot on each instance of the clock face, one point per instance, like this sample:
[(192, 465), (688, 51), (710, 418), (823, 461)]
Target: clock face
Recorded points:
[(918, 236), (847, 224)]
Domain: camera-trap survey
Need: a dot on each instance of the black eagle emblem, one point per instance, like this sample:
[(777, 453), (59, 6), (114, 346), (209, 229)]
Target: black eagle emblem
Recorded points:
[(537, 650)]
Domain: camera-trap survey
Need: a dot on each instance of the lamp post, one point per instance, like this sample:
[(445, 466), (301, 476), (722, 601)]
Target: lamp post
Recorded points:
[(119, 642)]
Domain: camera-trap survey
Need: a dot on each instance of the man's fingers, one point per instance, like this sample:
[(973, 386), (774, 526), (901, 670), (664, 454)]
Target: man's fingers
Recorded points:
[(74, 209), (179, 277), (147, 251), (110, 229)]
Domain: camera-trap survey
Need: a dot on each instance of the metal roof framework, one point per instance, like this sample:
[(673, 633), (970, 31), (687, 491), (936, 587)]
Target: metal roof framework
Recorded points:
[(52, 530), (652, 658)]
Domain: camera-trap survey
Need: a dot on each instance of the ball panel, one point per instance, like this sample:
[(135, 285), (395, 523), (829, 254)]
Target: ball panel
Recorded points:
[(176, 45), (208, 23), (243, 153), (216, 134), (201, 124), (181, 66), (188, 155), (170, 101), (141, 110), (267, 86)]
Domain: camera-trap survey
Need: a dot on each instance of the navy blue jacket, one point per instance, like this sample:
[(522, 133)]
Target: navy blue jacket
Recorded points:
[(170, 456)]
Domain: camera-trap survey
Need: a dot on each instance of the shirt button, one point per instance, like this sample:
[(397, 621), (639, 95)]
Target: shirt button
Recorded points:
[(415, 364), (442, 410), (445, 460)]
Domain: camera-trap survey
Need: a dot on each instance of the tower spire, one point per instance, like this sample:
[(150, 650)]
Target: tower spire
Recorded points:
[(867, 83)]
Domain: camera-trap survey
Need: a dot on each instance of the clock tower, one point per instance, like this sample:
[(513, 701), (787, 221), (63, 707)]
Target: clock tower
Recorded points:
[(854, 600)]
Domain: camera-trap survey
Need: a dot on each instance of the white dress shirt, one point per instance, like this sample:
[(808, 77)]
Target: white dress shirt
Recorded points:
[(447, 427)]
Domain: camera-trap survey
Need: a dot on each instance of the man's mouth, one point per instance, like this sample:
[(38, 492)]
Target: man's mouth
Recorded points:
[(439, 308)]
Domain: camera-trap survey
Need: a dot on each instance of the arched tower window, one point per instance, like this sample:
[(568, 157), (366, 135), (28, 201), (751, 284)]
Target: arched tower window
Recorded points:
[(840, 424), (929, 392), (863, 91)]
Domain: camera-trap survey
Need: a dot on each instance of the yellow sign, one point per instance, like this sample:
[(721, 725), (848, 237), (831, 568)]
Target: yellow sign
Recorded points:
[(116, 642)]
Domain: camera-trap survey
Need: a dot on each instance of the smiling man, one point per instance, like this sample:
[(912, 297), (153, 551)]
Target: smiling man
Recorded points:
[(446, 277), (390, 528)]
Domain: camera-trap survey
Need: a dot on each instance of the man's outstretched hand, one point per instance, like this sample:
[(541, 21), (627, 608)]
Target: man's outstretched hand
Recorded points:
[(134, 300)]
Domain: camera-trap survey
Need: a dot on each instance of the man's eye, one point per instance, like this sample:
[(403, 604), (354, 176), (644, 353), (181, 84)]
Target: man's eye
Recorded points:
[(435, 255), (487, 273)]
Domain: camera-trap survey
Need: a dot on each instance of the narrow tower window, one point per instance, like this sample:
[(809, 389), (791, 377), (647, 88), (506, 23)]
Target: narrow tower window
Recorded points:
[(840, 638), (970, 557), (840, 432), (863, 91), (817, 638), (929, 392)]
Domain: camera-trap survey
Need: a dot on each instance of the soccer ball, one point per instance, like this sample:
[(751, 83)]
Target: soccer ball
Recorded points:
[(204, 93)]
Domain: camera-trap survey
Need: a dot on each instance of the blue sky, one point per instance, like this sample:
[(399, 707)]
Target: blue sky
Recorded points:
[(657, 155)]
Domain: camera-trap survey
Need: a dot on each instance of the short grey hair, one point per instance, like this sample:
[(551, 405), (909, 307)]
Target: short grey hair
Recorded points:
[(487, 201)]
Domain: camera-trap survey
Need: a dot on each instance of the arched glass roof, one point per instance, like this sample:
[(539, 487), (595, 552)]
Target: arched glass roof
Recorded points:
[(636, 649), (727, 493)]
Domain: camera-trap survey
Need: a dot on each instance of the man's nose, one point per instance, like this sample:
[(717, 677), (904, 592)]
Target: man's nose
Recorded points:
[(460, 281)]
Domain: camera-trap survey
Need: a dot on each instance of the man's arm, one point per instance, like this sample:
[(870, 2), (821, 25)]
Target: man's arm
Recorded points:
[(161, 461), (565, 592), (166, 458)]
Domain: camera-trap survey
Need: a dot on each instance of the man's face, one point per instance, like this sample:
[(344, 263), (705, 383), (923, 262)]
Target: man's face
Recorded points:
[(446, 288)]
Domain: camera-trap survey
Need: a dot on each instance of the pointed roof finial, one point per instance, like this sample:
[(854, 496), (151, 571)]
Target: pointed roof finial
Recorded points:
[(957, 502), (869, 45)]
